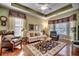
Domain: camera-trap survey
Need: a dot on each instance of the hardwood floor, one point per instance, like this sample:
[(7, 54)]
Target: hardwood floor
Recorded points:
[(66, 51), (69, 50), (16, 52)]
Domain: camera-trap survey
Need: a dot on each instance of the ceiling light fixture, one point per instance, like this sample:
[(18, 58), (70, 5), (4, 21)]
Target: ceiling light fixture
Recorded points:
[(44, 6)]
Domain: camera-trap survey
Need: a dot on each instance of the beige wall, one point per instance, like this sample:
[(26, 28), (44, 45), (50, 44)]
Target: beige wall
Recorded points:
[(4, 12), (29, 20), (35, 20)]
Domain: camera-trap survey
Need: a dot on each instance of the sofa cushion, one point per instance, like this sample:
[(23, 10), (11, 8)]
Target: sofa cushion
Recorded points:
[(32, 35)]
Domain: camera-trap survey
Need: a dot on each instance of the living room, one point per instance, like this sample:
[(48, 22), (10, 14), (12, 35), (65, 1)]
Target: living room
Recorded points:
[(26, 30)]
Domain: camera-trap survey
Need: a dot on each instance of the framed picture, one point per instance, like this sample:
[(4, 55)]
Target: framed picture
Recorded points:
[(3, 20), (31, 27)]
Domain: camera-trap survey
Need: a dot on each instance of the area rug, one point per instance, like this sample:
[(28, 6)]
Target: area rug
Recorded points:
[(36, 52), (46, 46), (10, 53)]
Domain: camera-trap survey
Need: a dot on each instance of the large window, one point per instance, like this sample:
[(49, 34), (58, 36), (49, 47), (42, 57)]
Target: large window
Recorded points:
[(18, 26), (61, 28)]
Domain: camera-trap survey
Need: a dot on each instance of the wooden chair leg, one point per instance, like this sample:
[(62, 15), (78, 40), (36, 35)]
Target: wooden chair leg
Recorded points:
[(13, 48), (21, 45), (1, 52)]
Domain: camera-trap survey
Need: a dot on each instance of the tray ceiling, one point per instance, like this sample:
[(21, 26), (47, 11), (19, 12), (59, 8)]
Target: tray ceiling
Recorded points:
[(34, 9), (51, 7)]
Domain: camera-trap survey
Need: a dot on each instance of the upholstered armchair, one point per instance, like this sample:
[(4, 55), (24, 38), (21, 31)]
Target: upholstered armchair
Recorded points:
[(75, 43), (54, 36), (16, 41), (10, 42), (7, 44)]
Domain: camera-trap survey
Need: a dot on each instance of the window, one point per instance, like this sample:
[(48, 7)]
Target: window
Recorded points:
[(18, 26), (61, 28)]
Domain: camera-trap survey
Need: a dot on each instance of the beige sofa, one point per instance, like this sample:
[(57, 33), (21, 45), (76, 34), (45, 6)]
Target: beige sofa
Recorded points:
[(34, 36)]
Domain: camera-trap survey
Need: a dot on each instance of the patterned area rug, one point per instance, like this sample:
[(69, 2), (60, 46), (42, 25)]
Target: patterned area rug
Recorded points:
[(44, 47), (10, 53), (36, 52)]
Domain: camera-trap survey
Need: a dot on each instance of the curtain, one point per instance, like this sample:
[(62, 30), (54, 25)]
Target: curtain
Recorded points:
[(17, 14), (16, 19), (67, 19)]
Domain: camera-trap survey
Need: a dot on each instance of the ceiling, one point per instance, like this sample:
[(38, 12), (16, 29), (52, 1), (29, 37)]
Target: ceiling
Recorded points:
[(51, 6), (34, 9)]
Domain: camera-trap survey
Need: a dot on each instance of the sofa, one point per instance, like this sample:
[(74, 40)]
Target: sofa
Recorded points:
[(35, 36)]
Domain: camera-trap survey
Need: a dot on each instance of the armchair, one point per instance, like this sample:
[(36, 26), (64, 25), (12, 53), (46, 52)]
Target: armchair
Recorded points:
[(75, 43), (6, 44), (10, 42), (54, 36), (15, 42)]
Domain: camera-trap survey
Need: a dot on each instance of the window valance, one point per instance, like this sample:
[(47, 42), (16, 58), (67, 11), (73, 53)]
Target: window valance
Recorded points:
[(17, 14), (67, 19)]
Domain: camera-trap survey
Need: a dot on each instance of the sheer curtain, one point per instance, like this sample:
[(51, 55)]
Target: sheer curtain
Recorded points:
[(18, 26)]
